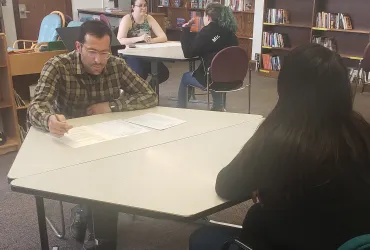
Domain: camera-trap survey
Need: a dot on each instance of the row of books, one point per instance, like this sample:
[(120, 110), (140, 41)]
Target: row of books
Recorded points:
[(239, 5), (327, 42), (275, 40), (279, 16), (198, 21), (333, 21), (271, 62), (198, 4)]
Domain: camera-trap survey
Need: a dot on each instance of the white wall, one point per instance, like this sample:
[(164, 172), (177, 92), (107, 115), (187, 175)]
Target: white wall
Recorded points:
[(258, 26), (8, 15), (88, 4)]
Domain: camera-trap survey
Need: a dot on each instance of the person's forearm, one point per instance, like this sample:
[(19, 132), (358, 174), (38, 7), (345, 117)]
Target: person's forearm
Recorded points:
[(160, 39), (131, 40), (136, 101), (235, 181), (38, 116)]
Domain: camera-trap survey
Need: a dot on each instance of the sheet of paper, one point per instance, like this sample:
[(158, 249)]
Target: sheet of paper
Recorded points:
[(80, 137), (100, 132), (155, 121), (157, 45), (117, 128)]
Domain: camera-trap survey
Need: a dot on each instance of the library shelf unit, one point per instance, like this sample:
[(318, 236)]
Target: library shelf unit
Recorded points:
[(245, 20), (8, 113), (350, 43), (22, 77)]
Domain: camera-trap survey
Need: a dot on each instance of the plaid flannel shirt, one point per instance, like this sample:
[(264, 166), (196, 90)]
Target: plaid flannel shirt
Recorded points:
[(66, 88)]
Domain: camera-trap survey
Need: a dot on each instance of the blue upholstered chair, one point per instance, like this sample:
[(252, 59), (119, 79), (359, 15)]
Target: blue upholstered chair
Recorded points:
[(358, 243), (47, 32)]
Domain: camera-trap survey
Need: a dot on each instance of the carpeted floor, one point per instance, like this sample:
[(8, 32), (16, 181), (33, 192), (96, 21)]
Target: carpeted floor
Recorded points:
[(18, 221)]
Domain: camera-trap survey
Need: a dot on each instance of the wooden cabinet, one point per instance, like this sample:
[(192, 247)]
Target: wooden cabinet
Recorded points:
[(8, 114)]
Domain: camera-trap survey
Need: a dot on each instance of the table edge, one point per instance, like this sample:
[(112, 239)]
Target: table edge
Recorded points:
[(122, 208)]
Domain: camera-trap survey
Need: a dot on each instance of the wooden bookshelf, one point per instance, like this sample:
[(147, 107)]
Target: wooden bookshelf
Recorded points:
[(22, 77), (302, 27), (245, 21), (8, 114)]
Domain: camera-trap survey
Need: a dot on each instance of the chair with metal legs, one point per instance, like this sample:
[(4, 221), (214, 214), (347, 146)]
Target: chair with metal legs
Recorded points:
[(221, 78)]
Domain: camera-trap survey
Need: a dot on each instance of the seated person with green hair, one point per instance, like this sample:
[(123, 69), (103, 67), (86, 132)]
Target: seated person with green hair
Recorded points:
[(218, 33)]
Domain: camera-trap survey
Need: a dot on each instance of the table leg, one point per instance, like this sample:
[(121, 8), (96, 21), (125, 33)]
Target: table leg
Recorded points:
[(155, 81), (42, 223)]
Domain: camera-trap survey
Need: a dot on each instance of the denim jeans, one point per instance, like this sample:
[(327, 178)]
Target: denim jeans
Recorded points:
[(188, 80), (143, 68), (213, 237)]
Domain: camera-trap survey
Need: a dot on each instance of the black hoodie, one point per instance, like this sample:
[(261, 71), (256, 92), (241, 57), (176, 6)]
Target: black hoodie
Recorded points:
[(206, 44)]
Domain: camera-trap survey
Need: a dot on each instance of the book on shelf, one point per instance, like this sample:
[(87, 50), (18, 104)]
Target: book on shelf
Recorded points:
[(333, 21), (18, 100), (275, 40), (271, 62), (22, 132), (327, 42), (198, 4), (277, 16), (239, 5), (198, 21), (165, 3)]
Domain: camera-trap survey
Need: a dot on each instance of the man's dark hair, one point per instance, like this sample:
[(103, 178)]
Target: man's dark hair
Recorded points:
[(95, 28)]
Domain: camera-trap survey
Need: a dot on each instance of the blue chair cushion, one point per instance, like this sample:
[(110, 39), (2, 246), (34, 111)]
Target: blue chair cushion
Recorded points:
[(74, 24), (48, 27), (358, 243)]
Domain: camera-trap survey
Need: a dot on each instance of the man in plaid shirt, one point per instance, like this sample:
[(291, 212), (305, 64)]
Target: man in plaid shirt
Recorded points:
[(88, 81)]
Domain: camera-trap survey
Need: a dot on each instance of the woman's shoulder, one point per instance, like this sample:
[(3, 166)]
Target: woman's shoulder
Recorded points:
[(127, 18)]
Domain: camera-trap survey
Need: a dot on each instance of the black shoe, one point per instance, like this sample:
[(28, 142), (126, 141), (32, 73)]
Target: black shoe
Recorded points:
[(79, 223), (94, 244)]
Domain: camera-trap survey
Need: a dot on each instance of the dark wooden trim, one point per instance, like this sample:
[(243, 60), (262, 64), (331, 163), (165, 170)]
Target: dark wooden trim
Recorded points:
[(115, 3), (17, 19), (69, 8)]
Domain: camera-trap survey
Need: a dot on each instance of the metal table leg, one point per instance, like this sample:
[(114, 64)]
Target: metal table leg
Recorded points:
[(155, 81), (42, 223), (249, 89), (62, 234)]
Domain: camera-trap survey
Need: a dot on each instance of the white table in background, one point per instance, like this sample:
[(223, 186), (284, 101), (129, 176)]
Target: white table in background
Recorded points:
[(155, 53), (171, 177)]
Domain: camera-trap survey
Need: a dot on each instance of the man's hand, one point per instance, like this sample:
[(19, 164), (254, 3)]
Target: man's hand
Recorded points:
[(58, 125), (190, 23), (99, 108)]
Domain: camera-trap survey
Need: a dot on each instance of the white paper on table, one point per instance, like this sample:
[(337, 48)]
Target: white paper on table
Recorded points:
[(157, 45), (100, 132), (155, 121), (80, 137), (117, 129)]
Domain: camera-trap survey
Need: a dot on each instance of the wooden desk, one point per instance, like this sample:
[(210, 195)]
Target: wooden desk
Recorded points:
[(30, 63), (171, 180)]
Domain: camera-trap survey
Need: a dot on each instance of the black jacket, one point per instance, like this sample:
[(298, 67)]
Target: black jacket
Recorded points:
[(324, 218), (206, 44)]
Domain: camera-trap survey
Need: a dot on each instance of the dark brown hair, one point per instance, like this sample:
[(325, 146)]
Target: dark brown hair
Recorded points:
[(95, 28), (312, 136)]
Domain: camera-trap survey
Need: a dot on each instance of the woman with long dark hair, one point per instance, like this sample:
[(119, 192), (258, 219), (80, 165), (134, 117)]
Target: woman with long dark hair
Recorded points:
[(218, 33), (309, 161)]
